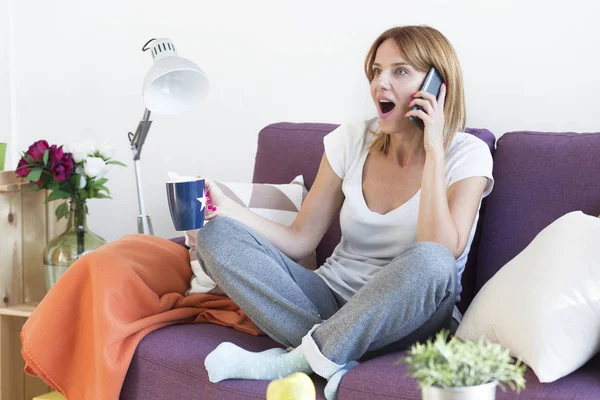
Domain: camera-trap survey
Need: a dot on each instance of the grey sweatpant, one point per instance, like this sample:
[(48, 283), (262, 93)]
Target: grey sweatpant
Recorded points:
[(409, 300)]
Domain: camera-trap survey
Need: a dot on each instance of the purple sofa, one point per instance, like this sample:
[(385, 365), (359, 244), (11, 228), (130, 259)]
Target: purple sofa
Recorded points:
[(539, 177)]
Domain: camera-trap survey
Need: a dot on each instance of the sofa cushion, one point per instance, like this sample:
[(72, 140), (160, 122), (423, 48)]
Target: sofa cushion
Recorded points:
[(169, 364), (380, 379), (539, 177)]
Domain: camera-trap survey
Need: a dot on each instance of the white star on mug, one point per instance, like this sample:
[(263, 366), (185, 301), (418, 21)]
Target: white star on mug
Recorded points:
[(202, 200)]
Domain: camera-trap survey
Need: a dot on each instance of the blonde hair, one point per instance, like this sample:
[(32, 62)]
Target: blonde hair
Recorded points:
[(425, 47)]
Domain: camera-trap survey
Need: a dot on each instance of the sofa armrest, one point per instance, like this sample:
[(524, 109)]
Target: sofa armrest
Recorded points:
[(179, 240)]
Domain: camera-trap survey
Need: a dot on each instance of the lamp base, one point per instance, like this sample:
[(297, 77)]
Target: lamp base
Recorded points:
[(145, 225)]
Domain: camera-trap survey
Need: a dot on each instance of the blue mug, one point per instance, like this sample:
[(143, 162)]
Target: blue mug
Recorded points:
[(187, 201)]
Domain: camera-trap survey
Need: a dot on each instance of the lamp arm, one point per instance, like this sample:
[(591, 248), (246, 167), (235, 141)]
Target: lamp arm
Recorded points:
[(137, 142)]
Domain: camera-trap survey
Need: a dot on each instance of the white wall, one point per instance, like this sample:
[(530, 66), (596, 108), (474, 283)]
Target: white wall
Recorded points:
[(79, 68)]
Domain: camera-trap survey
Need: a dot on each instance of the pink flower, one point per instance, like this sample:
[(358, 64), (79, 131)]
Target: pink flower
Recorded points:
[(56, 154), (62, 169), (36, 150), (23, 169)]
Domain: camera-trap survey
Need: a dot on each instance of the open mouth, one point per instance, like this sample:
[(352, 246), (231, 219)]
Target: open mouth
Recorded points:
[(386, 106)]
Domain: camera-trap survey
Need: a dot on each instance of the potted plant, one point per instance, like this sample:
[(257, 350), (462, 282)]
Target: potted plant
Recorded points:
[(456, 369)]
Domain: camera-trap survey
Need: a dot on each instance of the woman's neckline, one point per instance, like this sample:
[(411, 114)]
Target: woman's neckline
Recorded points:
[(362, 195)]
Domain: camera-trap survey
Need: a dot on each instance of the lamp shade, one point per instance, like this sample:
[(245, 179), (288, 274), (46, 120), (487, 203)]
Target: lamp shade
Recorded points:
[(173, 84)]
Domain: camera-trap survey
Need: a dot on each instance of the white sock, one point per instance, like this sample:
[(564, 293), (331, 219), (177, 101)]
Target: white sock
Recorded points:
[(333, 383), (229, 361), (323, 366)]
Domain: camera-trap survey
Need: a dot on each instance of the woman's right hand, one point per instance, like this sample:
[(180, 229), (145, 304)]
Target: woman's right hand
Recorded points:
[(217, 203)]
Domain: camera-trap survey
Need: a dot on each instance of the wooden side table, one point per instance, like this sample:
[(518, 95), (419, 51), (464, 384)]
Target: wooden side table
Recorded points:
[(15, 384), (26, 226)]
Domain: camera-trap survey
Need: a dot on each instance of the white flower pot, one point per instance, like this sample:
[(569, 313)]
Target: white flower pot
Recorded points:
[(481, 392)]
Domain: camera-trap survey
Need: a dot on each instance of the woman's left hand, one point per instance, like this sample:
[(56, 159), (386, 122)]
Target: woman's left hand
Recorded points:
[(433, 117)]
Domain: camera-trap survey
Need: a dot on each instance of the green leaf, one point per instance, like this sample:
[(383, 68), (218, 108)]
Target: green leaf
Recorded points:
[(27, 158), (116, 163), (58, 194), (102, 196), (75, 180), (103, 188), (46, 155), (61, 211), (53, 185), (34, 174), (83, 194), (100, 182)]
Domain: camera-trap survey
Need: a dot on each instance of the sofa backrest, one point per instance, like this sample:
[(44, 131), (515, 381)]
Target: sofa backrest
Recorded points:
[(538, 178), (286, 150)]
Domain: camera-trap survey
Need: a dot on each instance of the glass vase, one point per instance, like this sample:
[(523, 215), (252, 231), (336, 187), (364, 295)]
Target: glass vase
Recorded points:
[(77, 240)]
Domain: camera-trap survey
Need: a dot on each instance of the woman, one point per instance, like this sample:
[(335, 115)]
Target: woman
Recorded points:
[(408, 202)]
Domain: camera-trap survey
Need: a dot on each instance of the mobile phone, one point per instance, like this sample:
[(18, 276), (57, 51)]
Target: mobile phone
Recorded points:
[(432, 84)]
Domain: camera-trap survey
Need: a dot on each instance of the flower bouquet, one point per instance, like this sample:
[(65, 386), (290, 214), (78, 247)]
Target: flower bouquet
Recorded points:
[(76, 173)]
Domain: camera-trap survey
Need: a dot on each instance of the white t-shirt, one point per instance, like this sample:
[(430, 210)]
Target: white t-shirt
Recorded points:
[(371, 240)]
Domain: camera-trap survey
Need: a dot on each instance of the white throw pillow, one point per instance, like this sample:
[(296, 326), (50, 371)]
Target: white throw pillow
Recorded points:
[(544, 305)]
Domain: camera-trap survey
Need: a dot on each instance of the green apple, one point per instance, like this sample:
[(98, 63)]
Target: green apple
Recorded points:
[(297, 386)]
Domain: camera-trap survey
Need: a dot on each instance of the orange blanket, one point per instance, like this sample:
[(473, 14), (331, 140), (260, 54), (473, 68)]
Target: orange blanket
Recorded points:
[(81, 338)]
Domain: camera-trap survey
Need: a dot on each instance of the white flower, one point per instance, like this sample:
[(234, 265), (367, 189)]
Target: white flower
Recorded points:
[(106, 150), (80, 150), (94, 167), (82, 182), (106, 170)]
